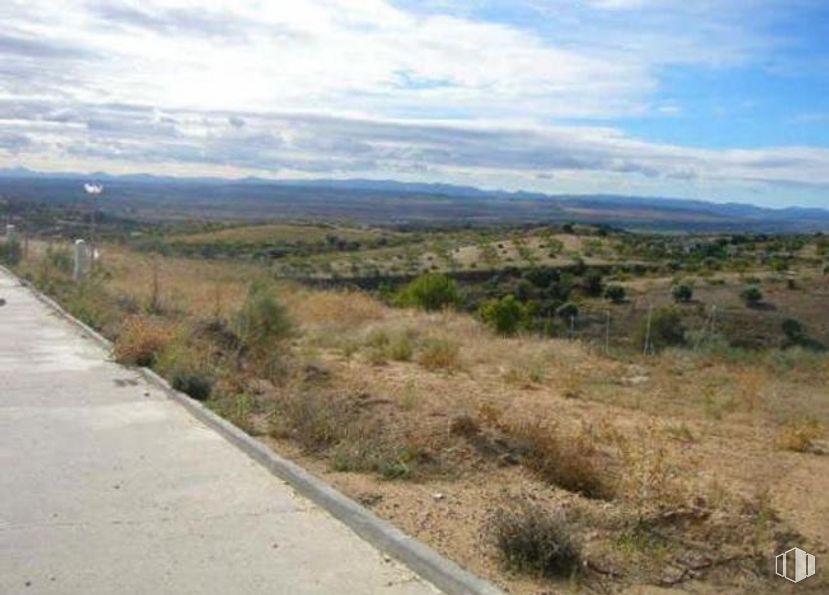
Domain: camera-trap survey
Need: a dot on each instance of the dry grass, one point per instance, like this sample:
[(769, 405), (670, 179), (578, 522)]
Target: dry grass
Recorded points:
[(799, 435), (397, 420), (439, 354), (336, 311), (141, 340), (571, 462)]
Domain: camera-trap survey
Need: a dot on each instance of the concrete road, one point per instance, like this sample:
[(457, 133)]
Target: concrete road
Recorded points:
[(106, 486)]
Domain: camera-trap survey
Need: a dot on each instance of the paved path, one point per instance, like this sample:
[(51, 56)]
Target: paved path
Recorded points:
[(107, 486)]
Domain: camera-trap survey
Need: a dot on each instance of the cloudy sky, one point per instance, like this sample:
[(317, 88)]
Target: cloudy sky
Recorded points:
[(714, 99)]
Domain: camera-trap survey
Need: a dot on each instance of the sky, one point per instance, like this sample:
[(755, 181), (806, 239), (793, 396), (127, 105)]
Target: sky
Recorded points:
[(710, 99)]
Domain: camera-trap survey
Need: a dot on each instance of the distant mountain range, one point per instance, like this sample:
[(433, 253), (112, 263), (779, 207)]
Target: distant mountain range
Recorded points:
[(388, 201)]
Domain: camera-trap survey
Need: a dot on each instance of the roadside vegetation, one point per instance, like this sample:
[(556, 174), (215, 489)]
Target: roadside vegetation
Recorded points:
[(623, 419)]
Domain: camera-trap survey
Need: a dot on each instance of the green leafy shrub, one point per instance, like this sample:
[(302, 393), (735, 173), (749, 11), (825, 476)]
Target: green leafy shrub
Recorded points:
[(431, 291), (682, 293), (262, 322), (11, 252), (751, 295), (567, 311), (506, 315), (615, 293), (593, 283), (196, 385), (666, 329)]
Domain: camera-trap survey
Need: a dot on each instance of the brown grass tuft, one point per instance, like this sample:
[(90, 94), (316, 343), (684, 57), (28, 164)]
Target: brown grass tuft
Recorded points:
[(140, 341), (343, 309), (799, 435), (569, 462), (439, 354)]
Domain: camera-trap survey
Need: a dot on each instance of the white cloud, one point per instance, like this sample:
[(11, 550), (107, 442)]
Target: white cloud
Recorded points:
[(364, 87)]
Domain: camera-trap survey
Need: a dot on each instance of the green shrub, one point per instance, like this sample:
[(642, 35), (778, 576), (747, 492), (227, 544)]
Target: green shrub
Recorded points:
[(195, 385), (593, 283), (567, 311), (615, 293), (666, 329), (683, 293), (506, 316), (262, 323), (431, 291), (751, 295), (793, 329), (534, 541), (11, 252), (57, 259)]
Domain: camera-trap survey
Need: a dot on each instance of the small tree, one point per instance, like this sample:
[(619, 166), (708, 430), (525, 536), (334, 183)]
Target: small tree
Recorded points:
[(262, 322), (567, 311), (615, 293), (793, 330), (666, 329), (683, 293), (11, 252), (752, 296), (506, 315), (432, 291), (593, 283)]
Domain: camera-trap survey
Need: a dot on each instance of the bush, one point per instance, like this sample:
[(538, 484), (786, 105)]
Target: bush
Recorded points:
[(567, 311), (11, 252), (793, 330), (535, 541), (615, 293), (667, 329), (61, 259), (751, 296), (593, 283), (262, 323), (196, 385), (140, 341), (505, 316), (683, 293), (432, 291)]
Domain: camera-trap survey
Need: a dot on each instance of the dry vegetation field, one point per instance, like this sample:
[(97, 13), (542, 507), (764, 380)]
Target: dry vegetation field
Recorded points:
[(543, 464)]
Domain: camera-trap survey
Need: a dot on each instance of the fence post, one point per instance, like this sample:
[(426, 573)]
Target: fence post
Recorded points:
[(81, 267), (647, 346), (607, 333)]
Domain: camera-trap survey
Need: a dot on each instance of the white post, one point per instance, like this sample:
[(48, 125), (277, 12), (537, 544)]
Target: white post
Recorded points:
[(81, 261)]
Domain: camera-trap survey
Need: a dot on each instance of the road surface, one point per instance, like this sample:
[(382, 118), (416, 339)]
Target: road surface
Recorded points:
[(107, 486)]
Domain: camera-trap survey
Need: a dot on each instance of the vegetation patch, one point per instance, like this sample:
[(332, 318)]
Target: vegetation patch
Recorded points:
[(532, 540)]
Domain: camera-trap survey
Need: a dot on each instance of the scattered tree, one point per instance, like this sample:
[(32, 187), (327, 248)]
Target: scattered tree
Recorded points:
[(752, 296), (683, 293), (615, 293), (506, 316), (431, 291)]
